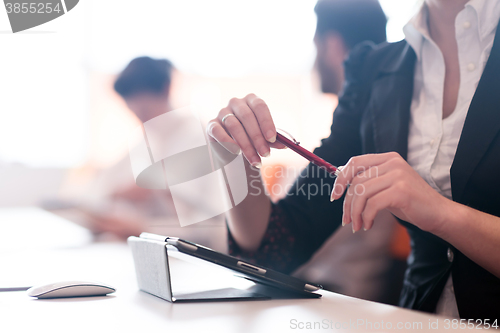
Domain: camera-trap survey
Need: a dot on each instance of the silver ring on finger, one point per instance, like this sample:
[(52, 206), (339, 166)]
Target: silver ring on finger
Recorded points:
[(225, 117)]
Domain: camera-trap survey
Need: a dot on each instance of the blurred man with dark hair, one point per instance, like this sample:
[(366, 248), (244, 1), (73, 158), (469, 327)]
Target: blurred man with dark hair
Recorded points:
[(123, 208), (117, 206), (353, 264), (145, 86), (341, 25)]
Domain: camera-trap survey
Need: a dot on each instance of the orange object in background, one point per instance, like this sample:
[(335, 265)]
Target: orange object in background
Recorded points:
[(275, 181), (400, 243)]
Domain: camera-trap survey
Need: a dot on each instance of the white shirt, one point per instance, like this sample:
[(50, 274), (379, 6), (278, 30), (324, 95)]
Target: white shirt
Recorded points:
[(433, 141)]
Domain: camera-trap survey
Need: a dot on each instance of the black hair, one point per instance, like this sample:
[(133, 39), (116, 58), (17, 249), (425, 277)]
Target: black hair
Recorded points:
[(144, 74), (355, 20)]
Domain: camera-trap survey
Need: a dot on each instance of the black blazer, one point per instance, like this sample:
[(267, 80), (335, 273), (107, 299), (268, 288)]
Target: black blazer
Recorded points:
[(373, 117)]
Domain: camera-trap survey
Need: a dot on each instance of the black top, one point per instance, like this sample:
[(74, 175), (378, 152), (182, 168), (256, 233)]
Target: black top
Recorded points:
[(373, 117)]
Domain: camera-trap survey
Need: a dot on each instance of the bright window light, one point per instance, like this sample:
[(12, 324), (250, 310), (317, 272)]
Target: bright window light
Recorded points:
[(44, 71)]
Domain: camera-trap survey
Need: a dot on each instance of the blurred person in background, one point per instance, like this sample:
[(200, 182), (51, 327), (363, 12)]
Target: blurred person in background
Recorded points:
[(118, 206), (144, 85), (340, 26), (359, 264), (115, 206)]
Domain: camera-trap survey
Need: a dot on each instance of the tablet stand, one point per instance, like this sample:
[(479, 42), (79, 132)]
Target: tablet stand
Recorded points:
[(153, 276)]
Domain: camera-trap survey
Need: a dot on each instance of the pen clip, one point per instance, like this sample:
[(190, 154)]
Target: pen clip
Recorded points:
[(291, 136)]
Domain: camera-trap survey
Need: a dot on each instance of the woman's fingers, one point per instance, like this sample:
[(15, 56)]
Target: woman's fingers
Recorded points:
[(357, 165), (361, 178), (362, 193), (248, 120), (233, 127), (386, 173), (375, 204), (386, 181), (246, 123), (263, 116), (358, 186), (219, 134)]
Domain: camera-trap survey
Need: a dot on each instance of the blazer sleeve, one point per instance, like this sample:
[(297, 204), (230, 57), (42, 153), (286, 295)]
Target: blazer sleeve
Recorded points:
[(302, 221)]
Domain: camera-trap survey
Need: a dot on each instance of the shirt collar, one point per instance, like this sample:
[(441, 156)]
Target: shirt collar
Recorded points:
[(416, 30), (486, 14)]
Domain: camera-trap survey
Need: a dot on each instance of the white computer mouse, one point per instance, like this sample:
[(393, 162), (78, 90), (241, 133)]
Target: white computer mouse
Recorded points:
[(70, 289)]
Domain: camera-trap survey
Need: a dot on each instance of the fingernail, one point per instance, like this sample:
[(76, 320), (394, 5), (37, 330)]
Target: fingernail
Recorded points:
[(266, 154), (258, 165), (332, 195), (270, 136), (365, 229), (353, 231), (343, 223)]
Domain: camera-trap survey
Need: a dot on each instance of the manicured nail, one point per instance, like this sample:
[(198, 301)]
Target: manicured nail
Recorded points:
[(270, 136), (258, 165), (332, 196), (266, 154)]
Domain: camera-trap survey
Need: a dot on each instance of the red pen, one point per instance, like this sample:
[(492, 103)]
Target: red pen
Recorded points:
[(314, 159)]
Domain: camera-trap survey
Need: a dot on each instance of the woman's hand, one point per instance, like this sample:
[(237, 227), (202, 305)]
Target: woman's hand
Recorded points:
[(387, 181), (248, 126)]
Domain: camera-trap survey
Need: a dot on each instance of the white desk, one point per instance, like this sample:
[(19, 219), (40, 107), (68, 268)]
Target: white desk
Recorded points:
[(129, 310)]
